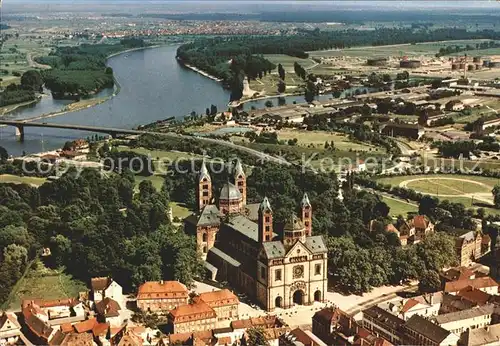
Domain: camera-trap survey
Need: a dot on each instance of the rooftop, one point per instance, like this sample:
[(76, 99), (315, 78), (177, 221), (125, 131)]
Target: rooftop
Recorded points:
[(191, 312), (162, 289), (426, 328), (482, 336), (482, 282), (385, 317), (218, 298), (465, 314)]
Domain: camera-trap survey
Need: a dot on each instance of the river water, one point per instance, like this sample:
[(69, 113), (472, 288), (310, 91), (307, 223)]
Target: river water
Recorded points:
[(153, 87)]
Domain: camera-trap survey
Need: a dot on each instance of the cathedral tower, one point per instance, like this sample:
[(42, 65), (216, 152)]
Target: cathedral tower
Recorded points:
[(306, 214), (265, 221), (204, 190), (240, 180)]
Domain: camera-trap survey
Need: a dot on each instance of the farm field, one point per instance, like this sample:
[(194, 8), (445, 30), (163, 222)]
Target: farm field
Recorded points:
[(427, 48), (9, 178), (43, 283), (318, 139)]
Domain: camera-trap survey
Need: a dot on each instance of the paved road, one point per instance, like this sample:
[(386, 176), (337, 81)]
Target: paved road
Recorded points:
[(258, 154)]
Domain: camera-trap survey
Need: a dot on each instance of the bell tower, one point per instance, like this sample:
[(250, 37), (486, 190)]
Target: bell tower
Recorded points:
[(265, 221), (204, 190), (306, 214), (240, 180)]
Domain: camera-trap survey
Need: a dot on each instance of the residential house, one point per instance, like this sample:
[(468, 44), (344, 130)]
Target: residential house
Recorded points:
[(76, 339), (108, 310), (469, 247), (106, 287), (419, 331), (383, 324), (427, 305), (485, 284), (415, 229), (267, 323), (333, 326), (459, 321), (192, 318), (455, 274), (364, 338), (126, 336), (161, 295), (485, 336), (300, 337), (10, 329), (224, 302)]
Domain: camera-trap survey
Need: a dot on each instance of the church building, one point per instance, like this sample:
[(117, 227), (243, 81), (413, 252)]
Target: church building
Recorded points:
[(240, 246)]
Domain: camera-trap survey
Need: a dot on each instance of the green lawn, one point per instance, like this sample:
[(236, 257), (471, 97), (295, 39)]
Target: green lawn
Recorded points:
[(43, 283), (399, 207), (288, 61), (160, 154), (318, 139), (8, 178)]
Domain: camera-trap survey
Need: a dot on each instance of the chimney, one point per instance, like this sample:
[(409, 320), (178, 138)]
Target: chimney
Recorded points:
[(161, 282)]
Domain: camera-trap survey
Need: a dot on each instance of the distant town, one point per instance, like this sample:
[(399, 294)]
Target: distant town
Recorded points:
[(276, 174)]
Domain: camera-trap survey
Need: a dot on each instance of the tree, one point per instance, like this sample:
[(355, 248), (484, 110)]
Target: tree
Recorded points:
[(4, 155), (108, 70), (429, 282), (32, 80), (281, 72), (256, 337), (213, 110), (496, 196), (281, 87), (269, 104)]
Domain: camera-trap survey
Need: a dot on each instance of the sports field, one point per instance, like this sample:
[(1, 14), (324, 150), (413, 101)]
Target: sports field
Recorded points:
[(464, 189)]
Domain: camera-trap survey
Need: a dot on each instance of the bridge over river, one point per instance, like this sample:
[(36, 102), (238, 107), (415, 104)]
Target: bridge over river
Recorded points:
[(114, 132)]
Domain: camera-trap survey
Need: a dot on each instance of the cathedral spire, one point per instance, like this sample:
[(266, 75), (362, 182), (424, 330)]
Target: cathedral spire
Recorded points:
[(265, 205), (265, 221), (306, 214), (204, 172), (238, 171), (204, 189), (305, 201)]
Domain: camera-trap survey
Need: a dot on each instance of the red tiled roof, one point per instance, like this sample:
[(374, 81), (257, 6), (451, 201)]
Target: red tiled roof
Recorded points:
[(218, 298), (486, 239), (179, 338), (419, 221), (474, 295), (263, 321), (224, 341), (458, 285), (409, 304), (11, 317), (85, 326), (159, 289), (36, 325), (108, 307), (50, 303), (100, 329), (100, 284), (192, 312), (67, 328)]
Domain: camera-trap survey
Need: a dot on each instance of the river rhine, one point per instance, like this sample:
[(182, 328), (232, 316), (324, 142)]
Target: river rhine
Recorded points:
[(153, 86)]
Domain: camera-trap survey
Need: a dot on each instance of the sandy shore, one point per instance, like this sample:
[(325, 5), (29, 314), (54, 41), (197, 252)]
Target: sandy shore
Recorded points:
[(203, 73)]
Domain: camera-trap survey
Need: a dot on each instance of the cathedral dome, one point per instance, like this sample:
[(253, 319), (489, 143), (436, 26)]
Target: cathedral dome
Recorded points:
[(294, 224), (230, 192)]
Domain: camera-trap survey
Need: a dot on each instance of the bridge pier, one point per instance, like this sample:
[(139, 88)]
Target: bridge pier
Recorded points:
[(20, 133)]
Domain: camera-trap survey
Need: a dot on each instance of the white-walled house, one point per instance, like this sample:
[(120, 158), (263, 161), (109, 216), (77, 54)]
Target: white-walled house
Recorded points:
[(10, 329), (106, 287)]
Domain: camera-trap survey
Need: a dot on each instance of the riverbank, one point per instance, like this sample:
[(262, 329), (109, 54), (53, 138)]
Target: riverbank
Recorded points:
[(239, 103), (10, 108), (203, 73)]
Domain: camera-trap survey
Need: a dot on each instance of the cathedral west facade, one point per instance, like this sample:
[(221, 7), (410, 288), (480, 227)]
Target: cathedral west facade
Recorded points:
[(239, 245)]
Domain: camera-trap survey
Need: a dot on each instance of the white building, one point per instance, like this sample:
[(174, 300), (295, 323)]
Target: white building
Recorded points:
[(105, 287)]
